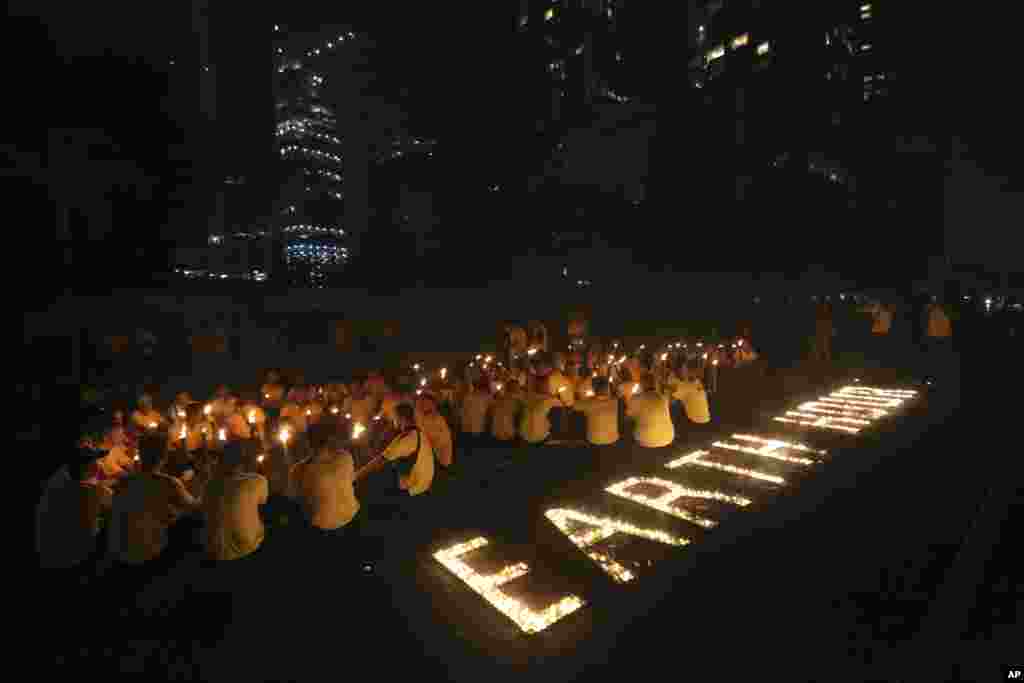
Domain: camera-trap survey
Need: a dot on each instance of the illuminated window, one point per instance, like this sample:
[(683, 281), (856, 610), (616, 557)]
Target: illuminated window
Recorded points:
[(715, 53), (549, 14), (763, 48), (740, 41)]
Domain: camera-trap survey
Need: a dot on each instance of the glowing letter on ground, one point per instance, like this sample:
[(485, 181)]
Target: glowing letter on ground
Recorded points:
[(489, 587), (602, 528)]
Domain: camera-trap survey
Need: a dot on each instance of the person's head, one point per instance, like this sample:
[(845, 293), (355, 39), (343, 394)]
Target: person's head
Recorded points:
[(221, 391), (406, 416), (183, 398), (272, 377), (152, 450), (601, 386)]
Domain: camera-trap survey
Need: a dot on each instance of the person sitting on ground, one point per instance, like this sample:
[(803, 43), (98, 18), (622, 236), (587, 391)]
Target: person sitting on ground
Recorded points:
[(602, 414), (176, 412), (690, 391), (219, 405), (506, 410), (628, 386), (432, 422), (475, 406), (145, 416), (296, 414), (410, 452), (534, 422), (652, 420), (233, 527), (363, 405), (324, 484), (145, 506), (247, 417), (69, 513)]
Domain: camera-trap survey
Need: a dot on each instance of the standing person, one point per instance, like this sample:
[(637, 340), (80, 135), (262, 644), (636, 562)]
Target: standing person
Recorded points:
[(937, 343), (823, 332)]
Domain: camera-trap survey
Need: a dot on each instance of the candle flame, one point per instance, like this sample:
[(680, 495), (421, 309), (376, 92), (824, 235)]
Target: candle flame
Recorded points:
[(223, 434), (252, 417), (348, 416), (152, 425), (357, 430), (285, 435), (636, 389), (423, 382), (260, 458), (590, 392), (334, 410), (207, 409)]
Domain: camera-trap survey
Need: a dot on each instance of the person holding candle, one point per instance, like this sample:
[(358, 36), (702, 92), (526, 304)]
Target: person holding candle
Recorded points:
[(324, 485), (233, 528), (506, 410), (144, 508), (534, 421), (249, 420), (649, 410), (145, 417), (601, 412), (411, 454), (474, 411)]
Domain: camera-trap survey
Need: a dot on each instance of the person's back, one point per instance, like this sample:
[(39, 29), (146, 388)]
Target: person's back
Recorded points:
[(602, 415), (534, 424), (474, 411), (694, 399), (506, 407), (143, 510), (231, 509), (67, 518), (653, 421), (437, 430), (325, 487)]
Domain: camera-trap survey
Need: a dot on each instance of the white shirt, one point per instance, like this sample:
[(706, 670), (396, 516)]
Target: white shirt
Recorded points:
[(534, 425), (602, 414), (144, 506), (503, 426), (422, 473), (326, 490), (474, 412), (231, 508), (654, 427)]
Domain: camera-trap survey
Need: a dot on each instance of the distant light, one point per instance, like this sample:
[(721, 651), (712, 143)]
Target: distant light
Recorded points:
[(763, 48), (276, 27)]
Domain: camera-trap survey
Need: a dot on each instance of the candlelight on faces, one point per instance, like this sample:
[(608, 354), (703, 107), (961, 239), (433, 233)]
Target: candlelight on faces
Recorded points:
[(606, 527), (488, 587), (673, 492)]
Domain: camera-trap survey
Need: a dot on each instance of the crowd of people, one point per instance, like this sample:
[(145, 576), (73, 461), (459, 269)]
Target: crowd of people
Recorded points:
[(338, 449)]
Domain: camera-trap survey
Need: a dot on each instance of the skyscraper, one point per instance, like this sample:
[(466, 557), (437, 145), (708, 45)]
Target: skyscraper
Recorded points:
[(311, 206)]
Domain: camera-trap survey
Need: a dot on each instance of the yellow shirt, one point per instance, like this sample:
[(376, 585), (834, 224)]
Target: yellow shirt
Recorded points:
[(503, 425), (653, 421), (422, 473), (440, 435), (143, 418), (474, 412), (325, 489), (602, 413), (231, 510), (694, 399), (297, 415), (534, 425)]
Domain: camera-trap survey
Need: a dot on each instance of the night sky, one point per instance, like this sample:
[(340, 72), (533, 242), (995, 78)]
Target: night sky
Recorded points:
[(460, 78)]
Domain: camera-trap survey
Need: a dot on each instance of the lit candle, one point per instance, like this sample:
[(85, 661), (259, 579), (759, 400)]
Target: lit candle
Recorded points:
[(498, 387), (664, 356), (223, 434), (357, 430), (334, 410), (348, 416), (714, 362), (181, 414), (308, 412), (152, 425), (590, 392), (207, 409), (376, 418), (487, 359), (416, 367), (266, 396), (531, 352), (419, 392), (252, 417), (423, 382), (260, 458), (444, 373), (636, 389)]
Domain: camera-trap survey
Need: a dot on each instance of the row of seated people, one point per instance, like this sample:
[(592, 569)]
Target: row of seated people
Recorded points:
[(214, 462)]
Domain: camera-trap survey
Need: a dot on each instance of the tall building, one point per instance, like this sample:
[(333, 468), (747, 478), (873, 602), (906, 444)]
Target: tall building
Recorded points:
[(789, 105), (576, 50), (310, 208)]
